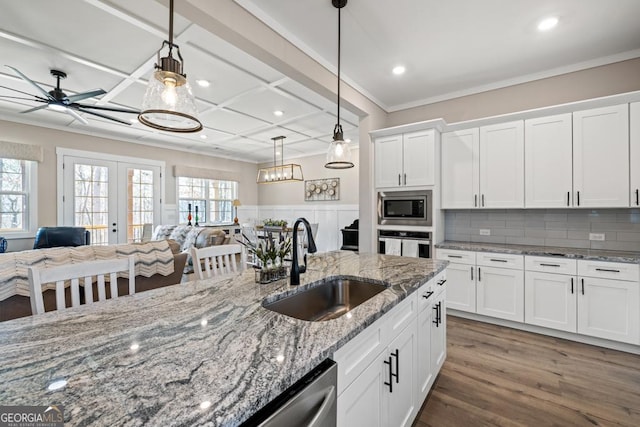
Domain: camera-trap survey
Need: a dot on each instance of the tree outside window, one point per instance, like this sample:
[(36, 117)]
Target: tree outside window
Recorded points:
[(212, 197)]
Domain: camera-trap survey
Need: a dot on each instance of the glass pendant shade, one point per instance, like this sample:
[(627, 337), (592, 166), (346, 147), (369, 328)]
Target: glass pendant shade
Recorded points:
[(339, 154), (169, 104)]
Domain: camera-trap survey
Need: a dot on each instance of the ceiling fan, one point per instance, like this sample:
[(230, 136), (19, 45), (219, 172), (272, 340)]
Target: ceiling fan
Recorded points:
[(57, 100)]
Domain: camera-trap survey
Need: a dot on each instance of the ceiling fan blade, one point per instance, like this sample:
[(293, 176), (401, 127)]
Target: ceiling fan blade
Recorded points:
[(104, 116), (100, 107), (31, 82), (16, 90), (30, 110), (85, 95), (20, 97), (76, 116)]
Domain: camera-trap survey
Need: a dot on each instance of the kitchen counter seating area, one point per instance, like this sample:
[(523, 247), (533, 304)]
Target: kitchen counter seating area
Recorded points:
[(203, 352)]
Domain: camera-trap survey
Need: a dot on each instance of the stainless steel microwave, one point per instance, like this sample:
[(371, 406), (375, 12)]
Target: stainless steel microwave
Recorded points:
[(405, 207)]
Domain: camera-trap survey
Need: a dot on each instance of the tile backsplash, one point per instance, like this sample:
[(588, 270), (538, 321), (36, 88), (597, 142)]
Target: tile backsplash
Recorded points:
[(547, 227)]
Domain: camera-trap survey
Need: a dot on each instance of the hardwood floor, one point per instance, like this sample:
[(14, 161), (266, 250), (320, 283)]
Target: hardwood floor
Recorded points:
[(496, 376)]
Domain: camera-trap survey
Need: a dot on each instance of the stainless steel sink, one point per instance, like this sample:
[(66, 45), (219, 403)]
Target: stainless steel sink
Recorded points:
[(327, 300)]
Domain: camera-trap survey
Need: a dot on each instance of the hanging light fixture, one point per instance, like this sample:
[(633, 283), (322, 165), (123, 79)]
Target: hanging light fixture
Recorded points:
[(339, 154), (168, 103), (279, 172)]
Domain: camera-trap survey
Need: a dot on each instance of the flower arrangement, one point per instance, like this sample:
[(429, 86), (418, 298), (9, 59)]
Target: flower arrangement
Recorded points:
[(270, 255), (274, 222)]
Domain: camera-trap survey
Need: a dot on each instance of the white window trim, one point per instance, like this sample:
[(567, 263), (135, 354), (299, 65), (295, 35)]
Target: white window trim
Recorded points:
[(61, 152), (32, 206)]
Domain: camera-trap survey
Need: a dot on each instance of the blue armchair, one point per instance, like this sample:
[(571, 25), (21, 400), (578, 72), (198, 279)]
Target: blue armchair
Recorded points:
[(51, 237)]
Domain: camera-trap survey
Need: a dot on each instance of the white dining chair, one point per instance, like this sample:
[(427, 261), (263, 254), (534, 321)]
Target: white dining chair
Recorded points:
[(88, 271), (213, 261)]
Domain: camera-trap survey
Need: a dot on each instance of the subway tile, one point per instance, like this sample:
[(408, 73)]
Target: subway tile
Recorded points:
[(555, 234), (614, 226), (517, 232), (533, 241), (487, 224), (578, 234), (555, 225), (578, 216), (616, 246), (529, 223), (554, 217), (514, 224), (488, 239), (566, 243), (458, 237), (602, 217), (624, 236)]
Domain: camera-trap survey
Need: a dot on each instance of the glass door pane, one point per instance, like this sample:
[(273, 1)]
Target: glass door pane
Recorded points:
[(142, 201)]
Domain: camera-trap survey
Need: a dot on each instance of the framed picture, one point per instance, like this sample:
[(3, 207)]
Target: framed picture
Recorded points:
[(318, 190)]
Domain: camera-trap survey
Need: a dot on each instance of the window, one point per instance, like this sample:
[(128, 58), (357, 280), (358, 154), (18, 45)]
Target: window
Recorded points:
[(211, 198), (17, 197)]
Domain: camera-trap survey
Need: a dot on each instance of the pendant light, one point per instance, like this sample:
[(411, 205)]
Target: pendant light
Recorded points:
[(339, 154), (279, 172), (168, 103)]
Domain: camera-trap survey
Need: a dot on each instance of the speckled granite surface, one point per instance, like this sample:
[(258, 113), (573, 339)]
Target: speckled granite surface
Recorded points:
[(204, 352), (589, 254)]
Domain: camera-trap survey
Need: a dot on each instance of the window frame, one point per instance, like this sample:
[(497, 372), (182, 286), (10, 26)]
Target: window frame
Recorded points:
[(207, 199), (31, 192)]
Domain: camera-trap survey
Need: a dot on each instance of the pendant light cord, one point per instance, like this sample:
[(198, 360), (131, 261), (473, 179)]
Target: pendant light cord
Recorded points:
[(170, 25), (339, 56)]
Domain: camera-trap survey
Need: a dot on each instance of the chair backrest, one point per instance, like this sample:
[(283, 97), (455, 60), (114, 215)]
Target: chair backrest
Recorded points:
[(212, 261), (73, 273), (51, 237)]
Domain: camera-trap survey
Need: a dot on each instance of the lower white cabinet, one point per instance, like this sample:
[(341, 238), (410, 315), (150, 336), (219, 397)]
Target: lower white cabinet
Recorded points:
[(550, 300), (609, 309), (389, 390), (594, 298), (500, 291), (461, 279)]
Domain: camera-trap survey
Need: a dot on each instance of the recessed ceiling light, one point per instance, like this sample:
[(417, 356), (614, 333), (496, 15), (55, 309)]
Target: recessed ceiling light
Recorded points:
[(203, 136), (203, 83), (547, 23), (400, 69), (278, 113)]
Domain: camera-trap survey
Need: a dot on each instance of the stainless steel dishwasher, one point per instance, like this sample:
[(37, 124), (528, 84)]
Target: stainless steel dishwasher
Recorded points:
[(310, 402)]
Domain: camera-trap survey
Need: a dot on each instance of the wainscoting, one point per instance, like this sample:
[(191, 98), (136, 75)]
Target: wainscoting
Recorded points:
[(330, 217)]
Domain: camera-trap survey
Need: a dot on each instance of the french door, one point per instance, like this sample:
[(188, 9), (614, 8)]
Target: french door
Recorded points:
[(117, 201)]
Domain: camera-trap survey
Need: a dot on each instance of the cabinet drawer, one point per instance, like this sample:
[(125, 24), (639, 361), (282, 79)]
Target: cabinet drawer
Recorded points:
[(488, 259), (550, 264), (430, 290), (459, 257), (609, 270), (353, 357), (402, 314)]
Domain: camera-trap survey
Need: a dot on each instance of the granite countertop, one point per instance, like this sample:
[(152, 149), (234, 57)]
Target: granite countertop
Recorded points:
[(576, 253), (203, 352)]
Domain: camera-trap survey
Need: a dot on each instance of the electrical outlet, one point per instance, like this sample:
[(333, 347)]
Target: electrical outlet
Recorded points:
[(596, 236), (487, 232)]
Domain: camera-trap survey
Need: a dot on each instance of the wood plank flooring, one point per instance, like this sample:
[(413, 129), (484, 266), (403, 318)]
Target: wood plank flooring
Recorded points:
[(497, 376)]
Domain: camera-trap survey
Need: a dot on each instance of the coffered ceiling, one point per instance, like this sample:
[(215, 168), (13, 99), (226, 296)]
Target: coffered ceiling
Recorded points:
[(112, 44), (449, 48)]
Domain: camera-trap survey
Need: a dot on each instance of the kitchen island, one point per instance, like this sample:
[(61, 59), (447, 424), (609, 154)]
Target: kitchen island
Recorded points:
[(203, 352)]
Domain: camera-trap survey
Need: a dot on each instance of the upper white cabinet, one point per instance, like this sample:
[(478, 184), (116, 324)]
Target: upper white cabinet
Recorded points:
[(405, 160), (502, 165), (460, 173), (548, 162), (484, 168), (634, 152), (601, 157)]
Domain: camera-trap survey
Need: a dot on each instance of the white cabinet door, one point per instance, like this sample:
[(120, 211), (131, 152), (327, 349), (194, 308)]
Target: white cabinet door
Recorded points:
[(500, 293), (403, 404), (388, 161), (609, 309), (460, 169), (550, 300), (601, 157), (634, 152), (461, 287), (548, 168), (425, 376), (438, 333), (364, 403), (502, 165), (418, 158)]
